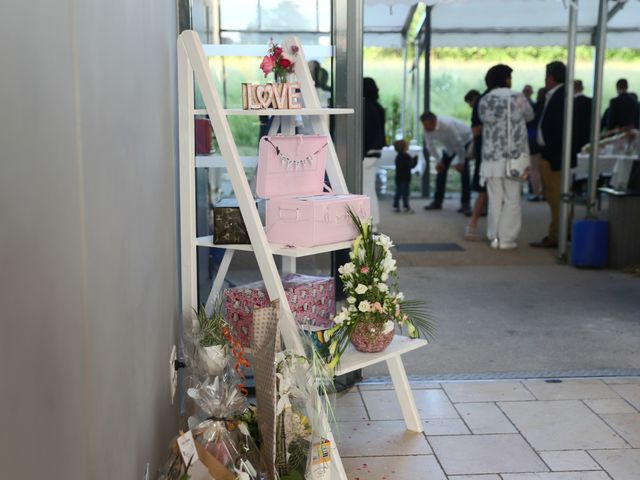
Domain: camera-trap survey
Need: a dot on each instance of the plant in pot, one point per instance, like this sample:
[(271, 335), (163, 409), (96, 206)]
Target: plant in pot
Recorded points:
[(211, 338), (375, 305)]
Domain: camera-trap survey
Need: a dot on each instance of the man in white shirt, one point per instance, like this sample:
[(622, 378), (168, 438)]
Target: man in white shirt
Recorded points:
[(454, 137)]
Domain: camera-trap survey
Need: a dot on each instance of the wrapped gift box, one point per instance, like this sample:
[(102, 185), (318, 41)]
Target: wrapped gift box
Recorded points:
[(312, 300), (228, 224)]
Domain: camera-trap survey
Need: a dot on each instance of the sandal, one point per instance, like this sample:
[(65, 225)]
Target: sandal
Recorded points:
[(471, 234)]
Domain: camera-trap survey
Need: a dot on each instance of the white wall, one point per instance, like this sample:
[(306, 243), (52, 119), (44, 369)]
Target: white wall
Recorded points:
[(88, 249)]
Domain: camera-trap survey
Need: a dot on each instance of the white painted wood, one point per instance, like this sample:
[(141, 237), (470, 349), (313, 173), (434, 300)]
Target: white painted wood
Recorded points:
[(354, 360), (278, 249), (404, 394), (216, 161), (219, 280), (285, 112), (192, 61), (191, 43), (186, 151), (288, 265)]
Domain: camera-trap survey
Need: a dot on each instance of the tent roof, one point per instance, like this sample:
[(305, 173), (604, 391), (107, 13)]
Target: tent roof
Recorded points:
[(500, 23)]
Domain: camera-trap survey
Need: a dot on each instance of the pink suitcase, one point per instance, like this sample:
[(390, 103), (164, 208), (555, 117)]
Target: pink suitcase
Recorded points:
[(291, 177)]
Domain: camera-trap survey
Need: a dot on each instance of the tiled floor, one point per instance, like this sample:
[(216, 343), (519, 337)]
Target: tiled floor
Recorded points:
[(577, 429)]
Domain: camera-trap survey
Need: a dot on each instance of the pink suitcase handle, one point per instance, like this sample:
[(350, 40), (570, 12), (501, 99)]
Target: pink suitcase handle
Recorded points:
[(286, 214)]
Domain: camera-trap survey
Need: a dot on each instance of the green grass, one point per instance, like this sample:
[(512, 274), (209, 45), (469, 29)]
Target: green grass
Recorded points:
[(452, 79)]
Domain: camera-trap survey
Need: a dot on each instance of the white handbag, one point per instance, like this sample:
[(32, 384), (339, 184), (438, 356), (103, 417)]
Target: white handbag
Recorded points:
[(516, 166)]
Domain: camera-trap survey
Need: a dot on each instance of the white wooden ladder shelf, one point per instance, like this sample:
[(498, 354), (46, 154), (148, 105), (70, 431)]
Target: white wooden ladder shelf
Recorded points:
[(193, 63)]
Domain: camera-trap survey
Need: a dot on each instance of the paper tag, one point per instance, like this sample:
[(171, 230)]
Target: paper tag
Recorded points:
[(321, 453), (187, 447)]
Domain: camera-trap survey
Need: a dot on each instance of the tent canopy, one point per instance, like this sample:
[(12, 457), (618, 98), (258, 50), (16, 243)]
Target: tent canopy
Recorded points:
[(501, 23)]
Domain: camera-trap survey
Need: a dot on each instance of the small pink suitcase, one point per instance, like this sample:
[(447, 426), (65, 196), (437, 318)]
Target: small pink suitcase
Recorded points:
[(291, 177)]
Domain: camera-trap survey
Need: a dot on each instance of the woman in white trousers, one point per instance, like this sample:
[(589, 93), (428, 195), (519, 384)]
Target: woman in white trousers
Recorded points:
[(499, 107)]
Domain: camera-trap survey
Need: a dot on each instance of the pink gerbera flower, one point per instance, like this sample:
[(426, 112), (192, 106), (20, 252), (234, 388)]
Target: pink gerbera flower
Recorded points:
[(364, 269)]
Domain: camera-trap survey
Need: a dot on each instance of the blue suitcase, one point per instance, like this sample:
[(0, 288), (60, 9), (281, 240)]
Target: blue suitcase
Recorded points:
[(590, 243)]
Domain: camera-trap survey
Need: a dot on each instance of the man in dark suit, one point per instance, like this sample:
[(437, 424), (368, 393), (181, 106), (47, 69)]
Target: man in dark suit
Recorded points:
[(550, 133), (581, 121), (623, 109)]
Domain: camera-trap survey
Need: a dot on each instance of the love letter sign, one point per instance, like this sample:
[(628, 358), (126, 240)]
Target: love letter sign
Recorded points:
[(271, 95)]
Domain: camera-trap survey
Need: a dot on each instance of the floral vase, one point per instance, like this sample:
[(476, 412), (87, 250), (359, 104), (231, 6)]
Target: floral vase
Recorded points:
[(370, 337)]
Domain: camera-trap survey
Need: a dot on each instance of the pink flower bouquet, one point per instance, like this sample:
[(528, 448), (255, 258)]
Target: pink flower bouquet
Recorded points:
[(276, 61)]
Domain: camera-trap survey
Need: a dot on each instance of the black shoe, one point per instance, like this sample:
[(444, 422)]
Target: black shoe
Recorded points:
[(465, 209), (535, 198), (433, 206)]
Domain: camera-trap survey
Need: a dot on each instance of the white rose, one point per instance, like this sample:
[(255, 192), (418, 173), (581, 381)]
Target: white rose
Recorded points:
[(400, 296), (360, 289), (351, 299), (383, 287), (352, 308), (364, 306), (388, 327), (384, 277)]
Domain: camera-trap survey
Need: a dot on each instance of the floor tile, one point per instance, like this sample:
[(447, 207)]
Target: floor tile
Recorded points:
[(474, 477), (569, 460), (349, 407), (612, 405), (484, 418), (620, 464), (577, 389), (389, 386), (393, 468), (445, 426), (375, 386), (370, 439), (630, 392), (476, 454), (486, 391), (383, 404), (621, 380), (627, 425), (561, 425), (558, 476)]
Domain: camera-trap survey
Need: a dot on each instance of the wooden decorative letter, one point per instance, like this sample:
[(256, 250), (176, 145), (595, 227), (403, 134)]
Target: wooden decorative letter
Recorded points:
[(271, 95), (280, 95), (295, 98)]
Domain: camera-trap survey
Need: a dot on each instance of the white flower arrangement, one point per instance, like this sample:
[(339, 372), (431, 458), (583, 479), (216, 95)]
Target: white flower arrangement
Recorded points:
[(370, 282)]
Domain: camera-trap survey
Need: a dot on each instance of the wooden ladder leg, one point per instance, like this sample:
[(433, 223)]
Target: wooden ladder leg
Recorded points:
[(404, 394), (217, 282), (337, 469)]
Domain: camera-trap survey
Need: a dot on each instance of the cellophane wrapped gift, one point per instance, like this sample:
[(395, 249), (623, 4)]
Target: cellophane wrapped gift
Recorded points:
[(312, 301), (222, 434)]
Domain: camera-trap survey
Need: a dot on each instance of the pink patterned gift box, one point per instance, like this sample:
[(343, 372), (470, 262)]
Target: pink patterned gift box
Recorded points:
[(311, 300)]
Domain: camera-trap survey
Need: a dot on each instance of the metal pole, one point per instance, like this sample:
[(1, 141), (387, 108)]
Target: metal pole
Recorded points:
[(427, 60), (601, 42), (403, 105), (568, 131), (426, 176), (347, 88), (416, 89)]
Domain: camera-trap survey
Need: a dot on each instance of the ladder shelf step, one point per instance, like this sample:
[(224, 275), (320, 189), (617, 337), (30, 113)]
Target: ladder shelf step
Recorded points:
[(353, 360), (277, 249)]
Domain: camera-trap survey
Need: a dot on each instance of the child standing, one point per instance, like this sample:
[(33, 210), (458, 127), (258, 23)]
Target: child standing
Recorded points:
[(404, 164)]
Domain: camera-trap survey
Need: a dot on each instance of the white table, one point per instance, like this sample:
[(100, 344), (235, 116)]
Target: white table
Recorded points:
[(606, 163)]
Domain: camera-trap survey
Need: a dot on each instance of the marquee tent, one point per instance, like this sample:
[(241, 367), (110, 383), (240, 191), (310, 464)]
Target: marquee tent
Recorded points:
[(502, 23)]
